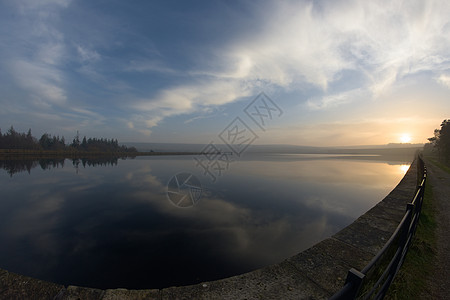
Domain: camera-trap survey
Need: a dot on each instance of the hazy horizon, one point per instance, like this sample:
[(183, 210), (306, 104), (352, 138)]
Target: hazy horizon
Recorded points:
[(392, 149)]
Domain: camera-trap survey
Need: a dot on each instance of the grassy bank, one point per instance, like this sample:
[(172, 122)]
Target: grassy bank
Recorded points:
[(410, 282), (439, 164)]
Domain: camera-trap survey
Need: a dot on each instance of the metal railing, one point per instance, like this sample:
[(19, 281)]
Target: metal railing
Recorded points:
[(373, 281)]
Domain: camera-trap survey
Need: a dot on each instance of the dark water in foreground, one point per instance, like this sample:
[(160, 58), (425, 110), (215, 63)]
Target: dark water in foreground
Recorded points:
[(112, 225)]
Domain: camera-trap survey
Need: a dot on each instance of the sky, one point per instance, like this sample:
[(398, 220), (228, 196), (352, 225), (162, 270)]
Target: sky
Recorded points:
[(336, 72)]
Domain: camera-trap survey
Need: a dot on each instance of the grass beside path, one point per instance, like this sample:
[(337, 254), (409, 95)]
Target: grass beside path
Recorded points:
[(437, 163), (411, 280)]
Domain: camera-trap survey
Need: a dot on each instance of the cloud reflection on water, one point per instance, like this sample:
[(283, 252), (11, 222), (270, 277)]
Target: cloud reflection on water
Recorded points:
[(114, 226)]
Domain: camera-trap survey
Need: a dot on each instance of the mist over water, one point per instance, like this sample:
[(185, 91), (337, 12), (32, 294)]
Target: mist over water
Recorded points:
[(112, 225)]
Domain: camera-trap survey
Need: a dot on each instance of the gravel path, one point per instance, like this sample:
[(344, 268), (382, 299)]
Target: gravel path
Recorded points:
[(439, 283)]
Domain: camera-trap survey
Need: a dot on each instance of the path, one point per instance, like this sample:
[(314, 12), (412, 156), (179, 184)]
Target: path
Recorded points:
[(439, 283)]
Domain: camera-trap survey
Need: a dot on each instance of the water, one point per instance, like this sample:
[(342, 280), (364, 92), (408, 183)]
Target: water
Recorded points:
[(112, 225)]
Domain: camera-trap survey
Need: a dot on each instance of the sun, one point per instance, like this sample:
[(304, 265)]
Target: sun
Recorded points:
[(405, 138)]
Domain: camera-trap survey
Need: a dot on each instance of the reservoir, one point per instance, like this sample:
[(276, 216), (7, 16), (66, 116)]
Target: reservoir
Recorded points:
[(113, 223)]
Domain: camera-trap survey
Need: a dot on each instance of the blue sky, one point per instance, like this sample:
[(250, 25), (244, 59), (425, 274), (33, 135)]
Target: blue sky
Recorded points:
[(343, 72)]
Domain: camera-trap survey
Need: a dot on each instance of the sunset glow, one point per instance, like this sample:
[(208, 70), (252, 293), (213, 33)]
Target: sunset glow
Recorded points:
[(405, 138)]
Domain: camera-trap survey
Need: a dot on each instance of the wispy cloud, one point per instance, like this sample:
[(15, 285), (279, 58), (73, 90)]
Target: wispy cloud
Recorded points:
[(35, 64), (87, 55), (41, 80), (444, 79), (26, 6), (188, 98), (201, 117), (334, 100), (149, 66)]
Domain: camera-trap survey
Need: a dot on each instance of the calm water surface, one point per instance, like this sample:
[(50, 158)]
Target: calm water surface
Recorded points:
[(113, 226)]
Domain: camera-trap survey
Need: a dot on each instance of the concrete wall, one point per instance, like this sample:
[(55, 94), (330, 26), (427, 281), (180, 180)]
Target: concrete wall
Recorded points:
[(316, 273)]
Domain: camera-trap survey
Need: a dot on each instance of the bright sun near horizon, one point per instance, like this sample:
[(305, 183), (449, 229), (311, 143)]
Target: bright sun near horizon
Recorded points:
[(405, 138)]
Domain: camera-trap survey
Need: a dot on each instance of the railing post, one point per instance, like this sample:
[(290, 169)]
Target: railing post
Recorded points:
[(356, 279)]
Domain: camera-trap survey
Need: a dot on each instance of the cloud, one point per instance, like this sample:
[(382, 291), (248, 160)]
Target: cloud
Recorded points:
[(145, 132), (41, 80), (149, 66), (200, 117), (87, 55), (26, 6), (87, 113), (384, 41), (444, 79), (295, 45), (188, 99), (306, 43), (50, 53), (334, 100), (35, 64)]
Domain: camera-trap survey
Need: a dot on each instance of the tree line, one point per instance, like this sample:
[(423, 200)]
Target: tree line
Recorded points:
[(440, 142), (26, 141)]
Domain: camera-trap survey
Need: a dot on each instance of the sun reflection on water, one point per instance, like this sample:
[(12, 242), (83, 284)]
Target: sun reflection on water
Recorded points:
[(404, 168)]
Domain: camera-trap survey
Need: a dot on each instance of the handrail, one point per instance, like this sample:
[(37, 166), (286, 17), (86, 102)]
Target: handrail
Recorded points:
[(386, 246), (402, 235)]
